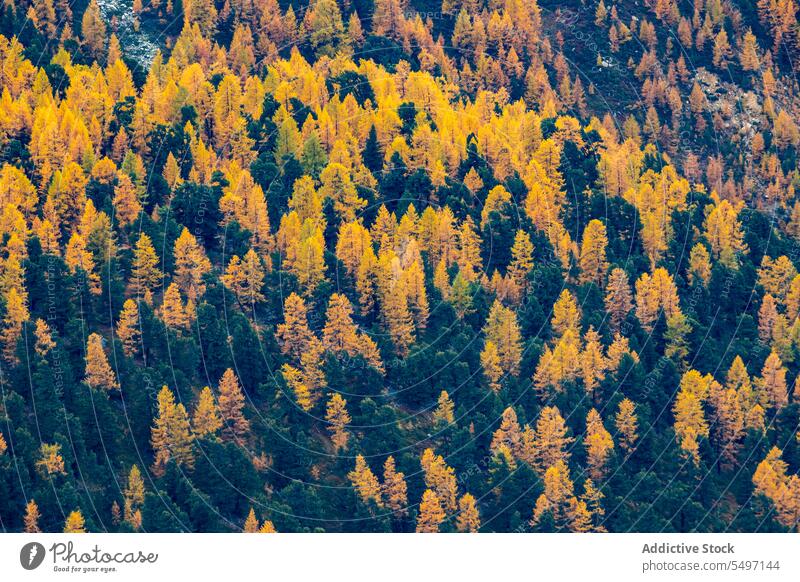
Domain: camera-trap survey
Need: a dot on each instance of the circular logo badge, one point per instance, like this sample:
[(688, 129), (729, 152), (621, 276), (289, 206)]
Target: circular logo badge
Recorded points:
[(31, 555)]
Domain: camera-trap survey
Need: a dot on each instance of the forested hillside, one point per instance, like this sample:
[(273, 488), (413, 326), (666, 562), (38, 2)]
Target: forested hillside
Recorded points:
[(399, 265)]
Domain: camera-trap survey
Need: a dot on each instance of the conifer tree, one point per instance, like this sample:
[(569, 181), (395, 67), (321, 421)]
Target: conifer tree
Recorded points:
[(170, 436), (468, 520), (128, 328), (294, 334), (502, 329), (550, 440), (126, 203), (16, 314), (365, 482), (146, 275), (627, 425), (134, 498), (251, 523), (206, 420), (44, 338), (440, 478), (191, 264), (75, 523), (690, 423), (619, 299), (31, 518), (337, 417), (566, 315), (444, 409), (93, 30), (593, 261), (98, 371), (599, 445), (245, 278), (231, 404), (431, 514), (521, 261), (490, 362), (394, 488), (172, 311)]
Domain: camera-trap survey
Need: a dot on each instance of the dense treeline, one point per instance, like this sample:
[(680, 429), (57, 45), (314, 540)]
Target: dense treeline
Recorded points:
[(394, 266)]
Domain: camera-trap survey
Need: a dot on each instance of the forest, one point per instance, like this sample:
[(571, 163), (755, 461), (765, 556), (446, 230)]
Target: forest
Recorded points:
[(399, 266)]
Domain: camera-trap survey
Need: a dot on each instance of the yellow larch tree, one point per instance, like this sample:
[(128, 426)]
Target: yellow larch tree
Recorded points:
[(508, 433), (593, 364), (245, 277), (294, 334), (550, 440), (98, 372), (126, 203), (599, 445), (502, 329), (468, 520), (78, 257), (521, 262), (251, 524), (469, 250), (566, 314), (44, 338), (592, 262), (146, 276), (191, 265), (365, 482), (771, 385), (134, 498), (655, 294), (173, 311), (771, 481), (440, 478), (619, 298), (444, 409), (295, 381), (206, 420), (723, 230), (231, 405), (16, 315), (627, 425), (128, 328), (75, 523), (338, 418), (394, 488), (690, 423), (431, 514), (31, 519), (559, 502), (699, 265), (50, 462), (490, 362), (170, 435), (727, 421)]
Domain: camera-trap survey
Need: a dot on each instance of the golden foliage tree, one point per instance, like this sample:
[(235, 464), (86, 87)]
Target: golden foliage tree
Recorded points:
[(75, 523), (206, 420), (128, 328), (98, 371), (394, 488), (431, 514), (365, 482), (468, 520), (170, 436), (338, 418), (231, 405), (31, 519), (191, 265)]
